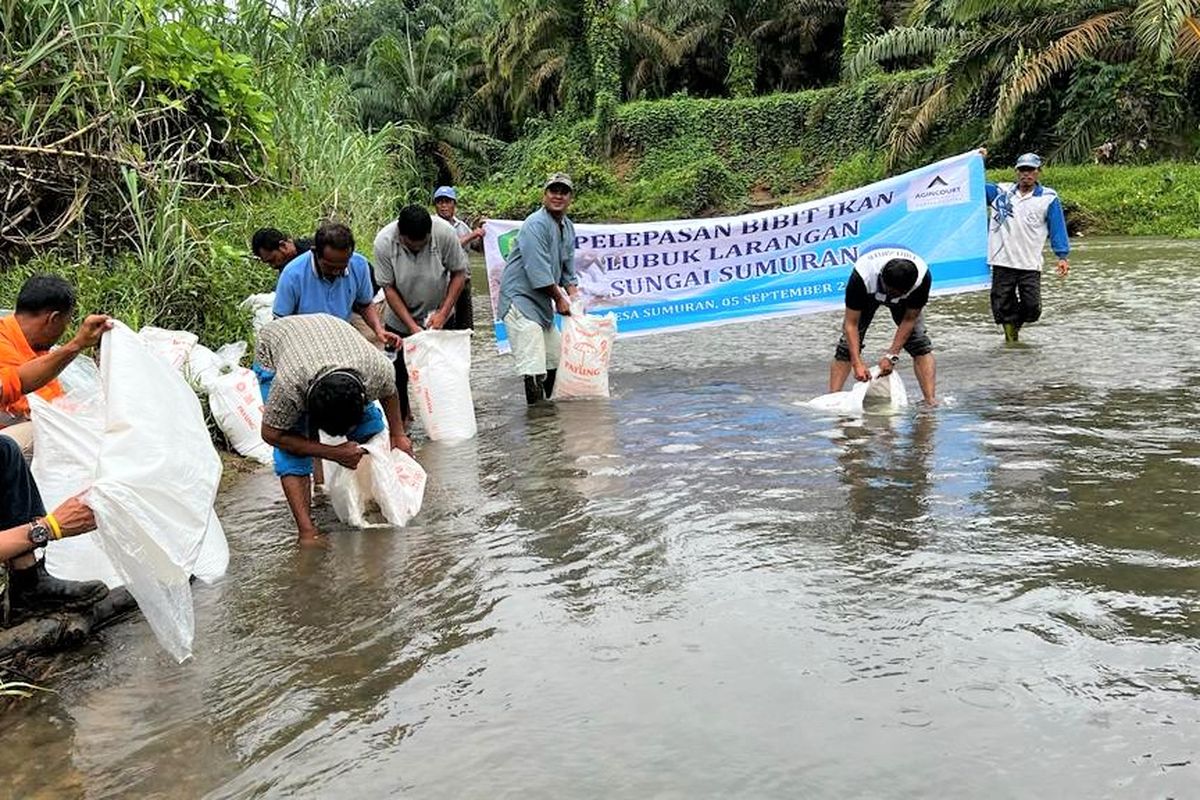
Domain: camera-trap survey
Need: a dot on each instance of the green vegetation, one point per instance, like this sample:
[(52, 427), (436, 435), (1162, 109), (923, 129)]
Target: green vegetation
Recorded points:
[(142, 141)]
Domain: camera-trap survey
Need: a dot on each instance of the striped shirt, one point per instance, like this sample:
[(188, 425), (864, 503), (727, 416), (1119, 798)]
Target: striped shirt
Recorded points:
[(301, 349)]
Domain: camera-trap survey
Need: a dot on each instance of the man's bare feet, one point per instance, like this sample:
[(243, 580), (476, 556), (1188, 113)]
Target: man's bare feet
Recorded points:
[(313, 539)]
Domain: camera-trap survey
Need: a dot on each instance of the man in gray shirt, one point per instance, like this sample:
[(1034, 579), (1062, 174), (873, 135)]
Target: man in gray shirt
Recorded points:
[(537, 280), (421, 268), (323, 376)]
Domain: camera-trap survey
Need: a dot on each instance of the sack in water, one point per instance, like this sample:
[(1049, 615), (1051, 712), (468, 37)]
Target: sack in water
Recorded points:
[(879, 395), (390, 479), (439, 383)]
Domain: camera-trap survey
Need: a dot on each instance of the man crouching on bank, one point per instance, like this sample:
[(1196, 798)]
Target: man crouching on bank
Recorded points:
[(322, 375)]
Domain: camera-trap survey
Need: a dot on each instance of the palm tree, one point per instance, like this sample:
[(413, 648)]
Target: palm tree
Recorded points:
[(999, 54), (417, 86), (743, 29)]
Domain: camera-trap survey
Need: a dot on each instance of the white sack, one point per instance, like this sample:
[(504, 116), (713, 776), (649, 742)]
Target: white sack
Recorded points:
[(260, 306), (81, 378), (174, 346), (884, 394), (390, 479), (235, 400), (67, 435), (156, 480), (586, 351), (203, 366), (439, 383)]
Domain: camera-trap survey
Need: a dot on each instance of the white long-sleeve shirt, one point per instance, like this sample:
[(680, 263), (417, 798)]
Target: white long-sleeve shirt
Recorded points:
[(1019, 225)]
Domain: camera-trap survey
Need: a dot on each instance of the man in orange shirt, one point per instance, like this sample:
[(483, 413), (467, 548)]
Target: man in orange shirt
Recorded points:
[(45, 307)]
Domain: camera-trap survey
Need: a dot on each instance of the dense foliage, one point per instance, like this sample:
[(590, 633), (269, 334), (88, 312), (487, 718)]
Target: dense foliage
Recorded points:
[(141, 141)]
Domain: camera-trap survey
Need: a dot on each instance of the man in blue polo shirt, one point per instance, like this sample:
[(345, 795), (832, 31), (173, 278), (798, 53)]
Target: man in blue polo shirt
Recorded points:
[(331, 279)]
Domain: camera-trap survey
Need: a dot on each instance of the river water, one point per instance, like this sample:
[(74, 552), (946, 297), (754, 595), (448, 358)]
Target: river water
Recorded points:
[(701, 589)]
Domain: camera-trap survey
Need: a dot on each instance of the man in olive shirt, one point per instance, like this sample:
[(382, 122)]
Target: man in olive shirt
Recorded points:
[(324, 376), (538, 280), (422, 268)]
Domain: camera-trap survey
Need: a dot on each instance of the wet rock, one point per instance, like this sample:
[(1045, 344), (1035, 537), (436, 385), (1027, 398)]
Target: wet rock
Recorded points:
[(63, 629)]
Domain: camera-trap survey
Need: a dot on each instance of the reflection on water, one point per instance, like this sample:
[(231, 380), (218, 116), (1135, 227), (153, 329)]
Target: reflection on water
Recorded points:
[(699, 589)]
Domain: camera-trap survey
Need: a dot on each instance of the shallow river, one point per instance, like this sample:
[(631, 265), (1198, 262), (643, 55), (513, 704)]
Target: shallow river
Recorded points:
[(701, 589)]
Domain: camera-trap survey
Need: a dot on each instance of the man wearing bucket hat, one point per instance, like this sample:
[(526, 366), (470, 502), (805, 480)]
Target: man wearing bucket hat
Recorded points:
[(539, 279), (1022, 216), (445, 203)]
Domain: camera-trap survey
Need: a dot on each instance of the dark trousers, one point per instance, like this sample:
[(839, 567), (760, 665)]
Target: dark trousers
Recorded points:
[(401, 378), (464, 311), (1016, 295), (20, 500), (918, 344)]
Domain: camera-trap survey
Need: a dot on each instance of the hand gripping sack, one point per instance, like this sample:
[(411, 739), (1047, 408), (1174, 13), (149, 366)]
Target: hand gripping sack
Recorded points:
[(880, 394), (156, 480), (586, 351), (439, 383), (389, 478)]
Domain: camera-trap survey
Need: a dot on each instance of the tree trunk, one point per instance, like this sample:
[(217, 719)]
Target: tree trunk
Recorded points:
[(603, 46), (863, 18), (743, 68)]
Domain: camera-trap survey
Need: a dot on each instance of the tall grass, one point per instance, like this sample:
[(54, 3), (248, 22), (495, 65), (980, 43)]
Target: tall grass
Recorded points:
[(164, 244)]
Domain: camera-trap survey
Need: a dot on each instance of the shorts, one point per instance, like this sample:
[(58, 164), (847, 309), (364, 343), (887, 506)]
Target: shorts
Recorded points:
[(535, 349), (918, 344)]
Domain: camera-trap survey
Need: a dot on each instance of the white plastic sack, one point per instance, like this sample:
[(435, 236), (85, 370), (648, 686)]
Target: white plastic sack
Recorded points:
[(67, 437), (586, 351), (235, 400), (156, 479), (390, 479), (203, 366), (260, 306), (81, 377), (439, 383), (884, 394), (174, 346)]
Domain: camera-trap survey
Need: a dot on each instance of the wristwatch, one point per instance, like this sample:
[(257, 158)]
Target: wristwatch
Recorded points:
[(39, 533), (893, 357)]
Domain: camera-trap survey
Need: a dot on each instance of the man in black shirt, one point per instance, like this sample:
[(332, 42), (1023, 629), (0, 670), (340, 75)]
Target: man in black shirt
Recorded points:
[(277, 248), (900, 280)]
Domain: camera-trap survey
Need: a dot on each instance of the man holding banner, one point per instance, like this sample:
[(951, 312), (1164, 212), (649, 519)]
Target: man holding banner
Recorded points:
[(539, 279), (1023, 215), (901, 280)]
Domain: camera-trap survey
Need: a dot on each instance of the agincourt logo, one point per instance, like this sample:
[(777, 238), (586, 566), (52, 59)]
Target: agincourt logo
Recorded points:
[(946, 188)]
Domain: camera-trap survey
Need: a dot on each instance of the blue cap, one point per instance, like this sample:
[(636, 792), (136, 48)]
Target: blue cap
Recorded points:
[(445, 191), (1030, 160)]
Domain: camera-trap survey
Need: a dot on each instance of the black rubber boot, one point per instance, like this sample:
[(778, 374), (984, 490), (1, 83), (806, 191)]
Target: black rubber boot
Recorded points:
[(533, 388), (548, 386), (35, 591)]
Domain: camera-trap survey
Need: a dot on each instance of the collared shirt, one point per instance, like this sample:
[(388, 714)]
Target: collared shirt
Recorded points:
[(15, 351), (1019, 224), (421, 278), (301, 348), (302, 290), (544, 255)]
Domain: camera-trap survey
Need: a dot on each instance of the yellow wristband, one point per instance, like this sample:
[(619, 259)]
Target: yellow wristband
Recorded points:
[(55, 528)]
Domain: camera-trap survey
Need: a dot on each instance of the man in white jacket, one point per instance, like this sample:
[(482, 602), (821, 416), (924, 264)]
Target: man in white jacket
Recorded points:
[(1023, 215)]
